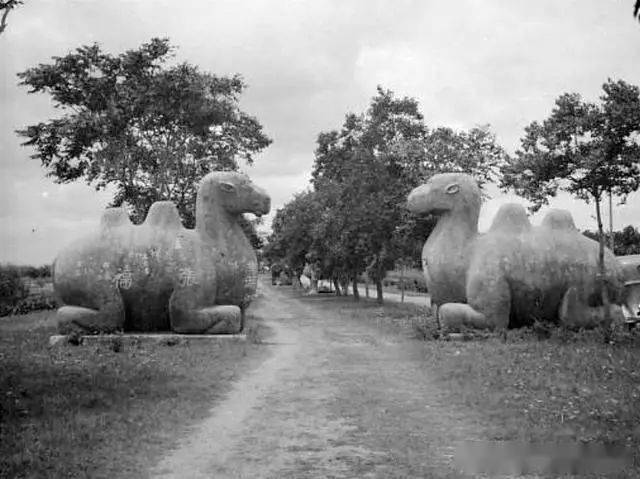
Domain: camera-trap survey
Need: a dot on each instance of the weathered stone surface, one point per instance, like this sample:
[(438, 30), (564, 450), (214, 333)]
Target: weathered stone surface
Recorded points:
[(631, 300), (515, 273), (159, 276)]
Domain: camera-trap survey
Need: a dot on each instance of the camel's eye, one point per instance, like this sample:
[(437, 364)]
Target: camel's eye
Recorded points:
[(452, 189), (227, 187)]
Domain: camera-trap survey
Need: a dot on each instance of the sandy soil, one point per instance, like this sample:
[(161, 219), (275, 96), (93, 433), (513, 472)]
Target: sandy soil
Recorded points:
[(336, 398)]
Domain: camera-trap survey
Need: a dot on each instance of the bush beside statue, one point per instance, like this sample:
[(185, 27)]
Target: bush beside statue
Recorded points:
[(515, 274), (159, 276)]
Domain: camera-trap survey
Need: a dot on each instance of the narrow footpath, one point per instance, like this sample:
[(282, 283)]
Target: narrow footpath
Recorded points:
[(337, 398)]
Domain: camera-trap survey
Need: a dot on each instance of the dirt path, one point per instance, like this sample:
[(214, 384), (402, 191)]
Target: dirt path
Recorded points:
[(335, 399)]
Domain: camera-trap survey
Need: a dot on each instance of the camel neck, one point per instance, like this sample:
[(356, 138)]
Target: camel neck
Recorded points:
[(456, 228), (217, 225)]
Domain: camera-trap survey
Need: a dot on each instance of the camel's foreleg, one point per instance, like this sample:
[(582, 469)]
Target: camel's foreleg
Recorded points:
[(107, 318), (89, 321), (188, 314), (489, 298), (453, 317)]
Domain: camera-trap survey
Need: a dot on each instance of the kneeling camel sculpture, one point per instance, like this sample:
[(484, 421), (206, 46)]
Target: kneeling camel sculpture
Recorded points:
[(515, 273), (160, 276)]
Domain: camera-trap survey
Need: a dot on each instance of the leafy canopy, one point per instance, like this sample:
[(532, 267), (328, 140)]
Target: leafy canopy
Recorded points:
[(354, 220), (132, 121), (583, 148)]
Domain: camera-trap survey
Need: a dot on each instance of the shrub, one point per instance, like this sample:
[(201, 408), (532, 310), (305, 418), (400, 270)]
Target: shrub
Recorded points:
[(12, 289), (34, 303)]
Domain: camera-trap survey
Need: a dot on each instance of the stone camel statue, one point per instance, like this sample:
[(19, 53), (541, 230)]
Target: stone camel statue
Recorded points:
[(515, 273), (159, 276)]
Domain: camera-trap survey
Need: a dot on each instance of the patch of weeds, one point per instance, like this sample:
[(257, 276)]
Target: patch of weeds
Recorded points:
[(116, 344), (535, 390), (426, 328), (74, 338), (171, 341)]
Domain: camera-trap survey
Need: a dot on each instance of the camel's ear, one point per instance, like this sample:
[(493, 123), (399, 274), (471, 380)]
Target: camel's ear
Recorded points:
[(227, 187), (452, 188)]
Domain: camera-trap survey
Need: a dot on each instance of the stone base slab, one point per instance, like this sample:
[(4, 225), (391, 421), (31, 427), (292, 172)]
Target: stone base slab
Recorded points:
[(166, 339)]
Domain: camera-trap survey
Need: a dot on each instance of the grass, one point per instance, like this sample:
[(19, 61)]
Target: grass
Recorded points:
[(566, 386), (104, 411)]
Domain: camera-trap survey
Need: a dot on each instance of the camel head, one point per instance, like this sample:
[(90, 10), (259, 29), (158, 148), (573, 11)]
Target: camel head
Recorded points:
[(232, 192), (446, 193)]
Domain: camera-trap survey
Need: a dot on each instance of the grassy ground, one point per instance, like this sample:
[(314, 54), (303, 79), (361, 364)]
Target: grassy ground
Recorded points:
[(572, 387), (90, 411)]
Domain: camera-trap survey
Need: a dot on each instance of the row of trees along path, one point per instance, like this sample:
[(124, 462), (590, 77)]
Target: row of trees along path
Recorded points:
[(352, 220), (151, 130)]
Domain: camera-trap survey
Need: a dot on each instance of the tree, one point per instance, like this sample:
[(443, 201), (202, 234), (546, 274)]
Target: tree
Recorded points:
[(354, 219), (585, 149), (5, 7), (291, 239), (372, 163), (636, 10), (368, 176), (132, 121), (625, 242)]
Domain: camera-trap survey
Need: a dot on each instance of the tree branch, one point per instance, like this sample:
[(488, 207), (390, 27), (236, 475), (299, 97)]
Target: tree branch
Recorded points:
[(3, 22)]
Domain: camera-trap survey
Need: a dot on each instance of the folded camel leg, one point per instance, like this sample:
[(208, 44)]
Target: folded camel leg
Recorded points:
[(575, 314), (456, 316), (78, 319), (222, 319)]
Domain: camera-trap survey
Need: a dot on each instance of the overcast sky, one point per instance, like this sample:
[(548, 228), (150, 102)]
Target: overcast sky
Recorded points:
[(306, 64)]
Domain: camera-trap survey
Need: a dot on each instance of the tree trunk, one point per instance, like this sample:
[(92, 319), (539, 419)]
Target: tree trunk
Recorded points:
[(379, 298), (336, 285), (366, 287), (602, 281), (356, 293), (3, 22), (611, 241), (345, 286), (402, 284)]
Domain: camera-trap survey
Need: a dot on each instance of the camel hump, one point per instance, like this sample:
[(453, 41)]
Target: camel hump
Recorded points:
[(512, 218), (558, 219), (163, 214), (114, 217)]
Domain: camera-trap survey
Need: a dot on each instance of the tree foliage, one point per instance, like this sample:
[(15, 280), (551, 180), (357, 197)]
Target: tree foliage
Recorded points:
[(626, 241), (132, 121), (292, 227), (354, 220), (583, 148)]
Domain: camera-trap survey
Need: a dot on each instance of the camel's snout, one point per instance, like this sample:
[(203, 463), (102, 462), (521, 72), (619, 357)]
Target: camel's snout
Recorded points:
[(261, 204), (418, 201)]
